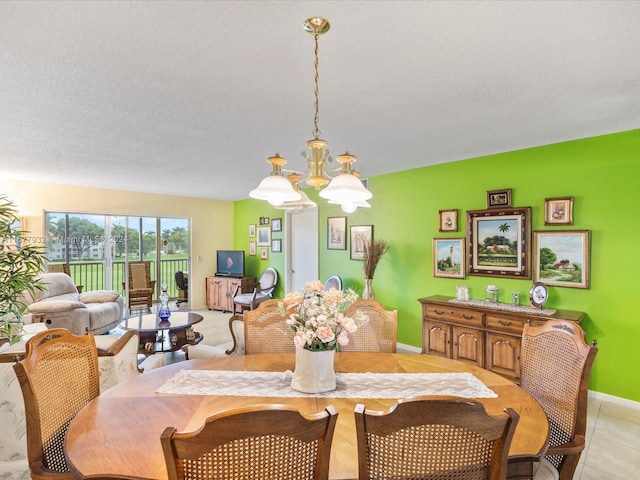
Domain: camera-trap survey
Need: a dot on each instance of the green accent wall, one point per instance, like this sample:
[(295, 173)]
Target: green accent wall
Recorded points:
[(601, 173)]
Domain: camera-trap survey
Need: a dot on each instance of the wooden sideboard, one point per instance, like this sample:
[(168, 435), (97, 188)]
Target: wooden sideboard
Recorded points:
[(484, 336), (220, 291)]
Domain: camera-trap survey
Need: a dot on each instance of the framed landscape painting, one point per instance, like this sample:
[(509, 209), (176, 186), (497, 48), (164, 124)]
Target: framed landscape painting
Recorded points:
[(562, 258), (361, 235), (448, 257), (499, 242)]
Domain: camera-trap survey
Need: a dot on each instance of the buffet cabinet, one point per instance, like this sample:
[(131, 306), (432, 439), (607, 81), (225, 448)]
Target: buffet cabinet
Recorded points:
[(220, 291), (487, 337)]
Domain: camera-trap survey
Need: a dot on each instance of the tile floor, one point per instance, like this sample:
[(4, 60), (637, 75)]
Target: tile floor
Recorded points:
[(613, 431)]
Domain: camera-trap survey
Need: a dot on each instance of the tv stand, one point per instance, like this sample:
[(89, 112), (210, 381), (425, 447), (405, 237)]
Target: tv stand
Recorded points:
[(220, 291)]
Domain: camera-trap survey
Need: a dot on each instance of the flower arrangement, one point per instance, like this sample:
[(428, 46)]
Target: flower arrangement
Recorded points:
[(317, 316), (373, 252)]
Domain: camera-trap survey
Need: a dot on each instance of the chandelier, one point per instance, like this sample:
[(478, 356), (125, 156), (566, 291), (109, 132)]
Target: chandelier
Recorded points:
[(344, 189)]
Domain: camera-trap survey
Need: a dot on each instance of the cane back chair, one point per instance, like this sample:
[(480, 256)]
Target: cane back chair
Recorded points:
[(141, 287), (433, 438), (555, 369), (260, 442), (58, 376), (378, 334), (266, 330)]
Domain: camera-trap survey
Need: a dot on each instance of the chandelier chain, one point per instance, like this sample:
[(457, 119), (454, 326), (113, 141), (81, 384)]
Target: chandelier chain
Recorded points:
[(316, 130)]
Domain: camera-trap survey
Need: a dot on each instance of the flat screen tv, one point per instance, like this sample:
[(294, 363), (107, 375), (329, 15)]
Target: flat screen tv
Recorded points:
[(230, 263)]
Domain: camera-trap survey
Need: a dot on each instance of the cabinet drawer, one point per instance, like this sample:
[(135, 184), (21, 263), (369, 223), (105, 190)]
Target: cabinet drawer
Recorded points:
[(509, 324), (455, 314)]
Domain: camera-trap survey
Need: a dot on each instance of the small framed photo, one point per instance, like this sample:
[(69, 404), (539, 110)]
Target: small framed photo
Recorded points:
[(448, 220), (264, 253), (499, 198), (276, 245), (276, 224), (562, 258), (252, 230), (558, 211), (252, 248), (264, 221), (361, 235), (448, 257), (264, 236), (336, 233)]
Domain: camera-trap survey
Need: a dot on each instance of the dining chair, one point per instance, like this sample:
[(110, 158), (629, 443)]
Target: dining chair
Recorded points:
[(141, 287), (378, 334), (334, 281), (555, 368), (262, 291), (259, 442), (266, 330), (433, 438), (58, 376)]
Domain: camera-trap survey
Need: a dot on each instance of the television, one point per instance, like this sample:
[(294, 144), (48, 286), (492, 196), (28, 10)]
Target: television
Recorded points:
[(230, 263)]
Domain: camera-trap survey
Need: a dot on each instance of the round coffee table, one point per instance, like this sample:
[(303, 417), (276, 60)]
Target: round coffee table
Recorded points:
[(169, 335)]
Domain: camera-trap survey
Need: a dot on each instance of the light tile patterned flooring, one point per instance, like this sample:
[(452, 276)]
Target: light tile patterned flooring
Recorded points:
[(613, 431)]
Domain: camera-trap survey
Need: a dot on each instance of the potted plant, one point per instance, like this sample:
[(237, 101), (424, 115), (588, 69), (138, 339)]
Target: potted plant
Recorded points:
[(20, 265), (373, 252)]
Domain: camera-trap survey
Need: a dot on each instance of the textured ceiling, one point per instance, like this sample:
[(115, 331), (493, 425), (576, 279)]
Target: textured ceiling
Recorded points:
[(190, 98)]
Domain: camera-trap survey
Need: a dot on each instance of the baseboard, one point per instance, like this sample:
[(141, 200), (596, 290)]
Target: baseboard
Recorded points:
[(605, 397), (402, 348)]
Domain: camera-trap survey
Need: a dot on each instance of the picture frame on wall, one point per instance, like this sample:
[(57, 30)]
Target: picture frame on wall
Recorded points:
[(252, 248), (558, 211), (264, 236), (562, 258), (252, 230), (361, 235), (448, 220), (276, 224), (264, 253), (499, 198), (336, 233), (448, 257), (276, 245), (499, 242)]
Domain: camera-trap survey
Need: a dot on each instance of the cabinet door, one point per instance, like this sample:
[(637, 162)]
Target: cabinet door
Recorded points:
[(468, 345), (436, 339), (211, 302), (219, 293), (503, 355)]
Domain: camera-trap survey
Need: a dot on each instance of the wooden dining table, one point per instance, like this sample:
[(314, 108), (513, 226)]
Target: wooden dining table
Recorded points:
[(118, 433)]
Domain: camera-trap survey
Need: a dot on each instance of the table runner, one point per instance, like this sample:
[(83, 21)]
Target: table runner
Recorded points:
[(348, 385)]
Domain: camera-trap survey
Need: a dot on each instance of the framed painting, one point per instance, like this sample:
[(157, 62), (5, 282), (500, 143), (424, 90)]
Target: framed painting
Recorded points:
[(337, 233), (264, 253), (252, 230), (499, 242), (499, 198), (252, 248), (264, 236), (276, 224), (360, 235), (448, 257), (276, 245), (558, 211), (562, 258), (448, 220)]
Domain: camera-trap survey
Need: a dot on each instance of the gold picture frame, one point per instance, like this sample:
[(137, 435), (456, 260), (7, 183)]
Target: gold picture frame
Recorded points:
[(558, 211)]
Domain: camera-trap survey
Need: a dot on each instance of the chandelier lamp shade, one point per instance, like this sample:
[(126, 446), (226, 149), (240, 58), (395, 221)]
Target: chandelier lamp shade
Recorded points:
[(344, 189)]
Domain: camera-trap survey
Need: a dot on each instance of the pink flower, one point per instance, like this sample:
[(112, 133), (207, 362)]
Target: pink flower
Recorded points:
[(343, 338), (325, 334)]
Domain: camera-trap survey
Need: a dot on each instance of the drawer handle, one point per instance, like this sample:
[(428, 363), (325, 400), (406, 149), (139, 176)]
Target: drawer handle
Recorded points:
[(439, 312), (504, 323), (467, 317)]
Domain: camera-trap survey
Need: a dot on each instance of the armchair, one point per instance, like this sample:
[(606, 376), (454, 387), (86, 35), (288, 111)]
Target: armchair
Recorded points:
[(262, 291), (141, 287)]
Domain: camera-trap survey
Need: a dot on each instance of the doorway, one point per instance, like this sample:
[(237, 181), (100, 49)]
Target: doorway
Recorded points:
[(301, 247)]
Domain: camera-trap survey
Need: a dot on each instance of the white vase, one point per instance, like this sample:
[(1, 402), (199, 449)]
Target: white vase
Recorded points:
[(314, 371)]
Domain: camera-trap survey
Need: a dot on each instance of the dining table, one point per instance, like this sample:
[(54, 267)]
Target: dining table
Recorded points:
[(118, 433)]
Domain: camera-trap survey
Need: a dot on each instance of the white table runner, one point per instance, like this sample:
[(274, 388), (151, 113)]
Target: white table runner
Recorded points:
[(348, 385)]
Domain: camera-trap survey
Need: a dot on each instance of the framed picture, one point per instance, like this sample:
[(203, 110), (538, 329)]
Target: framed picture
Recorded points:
[(361, 235), (499, 242), (558, 211), (252, 230), (276, 224), (252, 248), (499, 198), (562, 258), (264, 236), (337, 233), (276, 245), (448, 220), (264, 253), (264, 221), (448, 257)]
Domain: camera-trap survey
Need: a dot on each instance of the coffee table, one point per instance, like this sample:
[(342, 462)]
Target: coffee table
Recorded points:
[(158, 335)]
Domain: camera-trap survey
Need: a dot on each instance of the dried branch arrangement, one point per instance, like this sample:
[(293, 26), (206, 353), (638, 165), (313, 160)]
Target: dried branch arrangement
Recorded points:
[(373, 252)]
